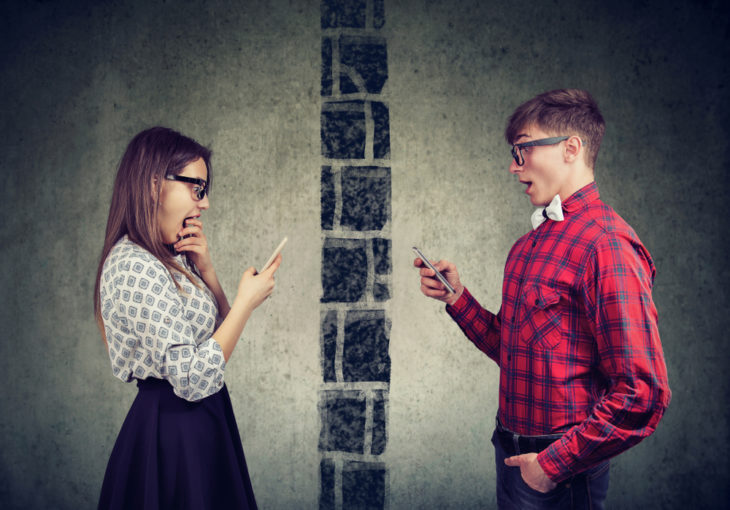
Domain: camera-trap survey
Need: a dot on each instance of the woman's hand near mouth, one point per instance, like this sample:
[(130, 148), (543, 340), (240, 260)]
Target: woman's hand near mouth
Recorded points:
[(196, 245)]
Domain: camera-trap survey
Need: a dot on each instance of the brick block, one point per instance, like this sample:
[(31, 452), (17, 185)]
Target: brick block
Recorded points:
[(365, 355), (381, 292), (327, 195), (378, 13), (328, 323), (379, 436), (343, 130), (343, 421), (381, 120), (344, 270), (381, 255), (367, 56), (363, 486), (343, 13), (366, 197), (327, 485), (326, 66)]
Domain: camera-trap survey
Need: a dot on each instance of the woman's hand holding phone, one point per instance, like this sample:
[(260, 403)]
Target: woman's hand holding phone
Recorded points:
[(255, 287)]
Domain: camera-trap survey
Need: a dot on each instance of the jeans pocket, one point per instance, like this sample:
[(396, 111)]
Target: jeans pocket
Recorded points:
[(526, 494)]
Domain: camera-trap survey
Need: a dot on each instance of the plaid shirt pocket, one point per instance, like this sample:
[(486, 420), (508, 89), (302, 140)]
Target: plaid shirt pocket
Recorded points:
[(541, 317)]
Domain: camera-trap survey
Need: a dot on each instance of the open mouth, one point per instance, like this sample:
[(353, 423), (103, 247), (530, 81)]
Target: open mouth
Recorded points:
[(528, 184)]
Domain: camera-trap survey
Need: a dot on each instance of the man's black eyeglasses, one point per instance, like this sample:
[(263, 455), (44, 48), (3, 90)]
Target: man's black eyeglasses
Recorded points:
[(199, 190), (517, 148)]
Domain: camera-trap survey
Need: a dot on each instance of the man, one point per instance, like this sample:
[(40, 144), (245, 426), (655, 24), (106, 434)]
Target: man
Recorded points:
[(582, 373)]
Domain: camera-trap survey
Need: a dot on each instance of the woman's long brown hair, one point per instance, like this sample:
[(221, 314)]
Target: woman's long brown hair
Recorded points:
[(150, 156)]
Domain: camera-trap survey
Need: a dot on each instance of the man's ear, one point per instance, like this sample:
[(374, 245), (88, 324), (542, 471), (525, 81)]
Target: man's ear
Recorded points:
[(573, 149)]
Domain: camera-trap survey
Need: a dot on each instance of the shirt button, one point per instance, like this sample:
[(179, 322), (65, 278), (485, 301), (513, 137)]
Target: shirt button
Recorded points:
[(537, 302), (506, 399), (509, 357), (534, 243)]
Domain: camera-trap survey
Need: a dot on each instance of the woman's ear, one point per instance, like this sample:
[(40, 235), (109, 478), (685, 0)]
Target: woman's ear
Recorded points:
[(155, 189)]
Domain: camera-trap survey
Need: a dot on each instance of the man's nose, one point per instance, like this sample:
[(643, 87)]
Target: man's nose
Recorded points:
[(514, 167)]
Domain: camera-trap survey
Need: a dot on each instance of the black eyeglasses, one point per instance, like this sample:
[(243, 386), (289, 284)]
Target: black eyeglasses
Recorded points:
[(517, 148), (199, 190)]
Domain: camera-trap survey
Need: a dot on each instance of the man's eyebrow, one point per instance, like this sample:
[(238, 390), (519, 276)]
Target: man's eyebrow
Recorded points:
[(521, 135)]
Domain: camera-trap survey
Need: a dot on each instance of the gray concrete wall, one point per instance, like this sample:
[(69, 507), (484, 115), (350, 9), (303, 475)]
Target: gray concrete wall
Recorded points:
[(78, 81)]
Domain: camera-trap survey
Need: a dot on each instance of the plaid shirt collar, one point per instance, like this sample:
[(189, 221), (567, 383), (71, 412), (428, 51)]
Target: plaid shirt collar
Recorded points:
[(581, 198)]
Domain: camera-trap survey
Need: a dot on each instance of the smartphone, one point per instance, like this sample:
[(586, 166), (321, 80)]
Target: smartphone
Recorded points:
[(273, 255), (438, 275)]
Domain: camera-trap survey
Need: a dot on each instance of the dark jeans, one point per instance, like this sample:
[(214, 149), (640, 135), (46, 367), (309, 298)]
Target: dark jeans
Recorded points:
[(584, 491)]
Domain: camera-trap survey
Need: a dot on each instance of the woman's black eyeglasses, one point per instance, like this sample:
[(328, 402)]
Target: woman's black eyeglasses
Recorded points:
[(517, 148), (199, 190)]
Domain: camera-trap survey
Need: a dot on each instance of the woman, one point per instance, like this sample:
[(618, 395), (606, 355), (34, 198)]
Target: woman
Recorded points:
[(168, 324)]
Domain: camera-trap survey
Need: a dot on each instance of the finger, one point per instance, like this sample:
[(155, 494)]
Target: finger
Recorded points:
[(428, 285), (194, 231), (251, 271), (191, 249), (190, 239), (274, 265), (417, 262), (425, 271), (193, 222), (431, 292), (432, 282), (443, 265), (515, 461), (191, 243)]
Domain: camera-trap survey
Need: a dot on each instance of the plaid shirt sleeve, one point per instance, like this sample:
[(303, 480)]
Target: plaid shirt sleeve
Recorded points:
[(479, 325), (617, 302)]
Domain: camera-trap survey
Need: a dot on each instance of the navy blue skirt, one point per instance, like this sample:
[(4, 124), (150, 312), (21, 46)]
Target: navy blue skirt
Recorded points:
[(176, 454)]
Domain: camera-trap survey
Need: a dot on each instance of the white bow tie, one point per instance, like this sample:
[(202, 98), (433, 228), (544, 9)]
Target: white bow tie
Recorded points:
[(554, 211)]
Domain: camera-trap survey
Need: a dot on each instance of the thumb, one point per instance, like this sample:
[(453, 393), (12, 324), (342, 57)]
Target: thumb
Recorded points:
[(516, 461), (274, 265)]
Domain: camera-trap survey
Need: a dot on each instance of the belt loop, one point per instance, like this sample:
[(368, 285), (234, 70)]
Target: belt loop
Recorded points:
[(516, 442)]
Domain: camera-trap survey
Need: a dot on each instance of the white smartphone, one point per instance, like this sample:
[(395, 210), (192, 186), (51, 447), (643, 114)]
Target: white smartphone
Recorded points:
[(438, 275), (273, 255)]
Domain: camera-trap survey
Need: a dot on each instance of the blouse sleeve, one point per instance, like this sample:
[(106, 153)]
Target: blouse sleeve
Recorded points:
[(152, 334)]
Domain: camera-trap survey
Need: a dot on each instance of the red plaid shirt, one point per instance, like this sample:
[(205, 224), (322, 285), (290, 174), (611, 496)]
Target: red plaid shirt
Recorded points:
[(576, 337)]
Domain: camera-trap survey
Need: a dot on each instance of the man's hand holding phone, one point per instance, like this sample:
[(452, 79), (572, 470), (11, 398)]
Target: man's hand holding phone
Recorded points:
[(431, 284)]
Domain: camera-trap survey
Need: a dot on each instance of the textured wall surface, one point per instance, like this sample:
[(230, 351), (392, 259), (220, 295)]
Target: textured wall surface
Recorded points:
[(356, 256), (80, 80)]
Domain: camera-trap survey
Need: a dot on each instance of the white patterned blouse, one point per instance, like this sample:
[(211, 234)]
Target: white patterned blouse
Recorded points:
[(154, 330)]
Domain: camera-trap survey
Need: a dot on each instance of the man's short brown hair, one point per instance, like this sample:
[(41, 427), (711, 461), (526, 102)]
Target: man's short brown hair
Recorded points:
[(562, 112)]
